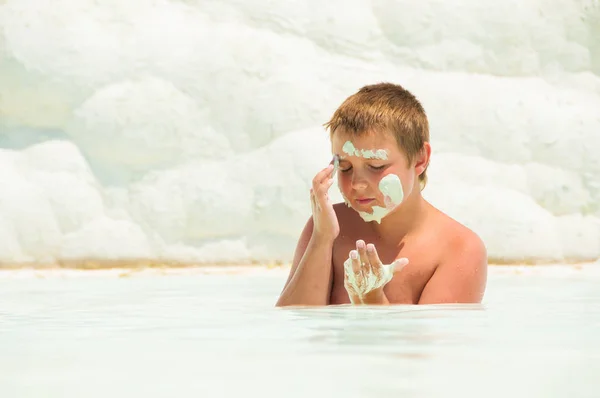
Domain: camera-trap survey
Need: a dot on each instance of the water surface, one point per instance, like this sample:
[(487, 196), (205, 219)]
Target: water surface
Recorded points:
[(217, 334)]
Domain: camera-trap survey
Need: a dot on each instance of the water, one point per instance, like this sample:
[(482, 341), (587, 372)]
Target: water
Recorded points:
[(217, 334)]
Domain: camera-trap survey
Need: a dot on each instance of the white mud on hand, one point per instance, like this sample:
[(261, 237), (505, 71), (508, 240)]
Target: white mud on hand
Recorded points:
[(369, 277)]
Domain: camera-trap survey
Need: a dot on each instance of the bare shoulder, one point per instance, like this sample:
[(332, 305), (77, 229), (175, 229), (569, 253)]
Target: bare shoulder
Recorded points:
[(461, 274), (462, 241)]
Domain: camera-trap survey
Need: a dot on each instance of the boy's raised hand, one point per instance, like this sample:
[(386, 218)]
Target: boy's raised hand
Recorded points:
[(325, 221), (364, 272)]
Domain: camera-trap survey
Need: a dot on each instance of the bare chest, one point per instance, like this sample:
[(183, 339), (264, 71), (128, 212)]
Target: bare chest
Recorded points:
[(406, 286)]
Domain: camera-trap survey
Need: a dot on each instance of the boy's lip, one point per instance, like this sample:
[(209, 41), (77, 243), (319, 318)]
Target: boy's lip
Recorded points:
[(364, 201)]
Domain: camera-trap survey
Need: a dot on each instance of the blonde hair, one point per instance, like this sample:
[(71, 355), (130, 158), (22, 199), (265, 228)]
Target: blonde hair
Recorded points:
[(385, 107)]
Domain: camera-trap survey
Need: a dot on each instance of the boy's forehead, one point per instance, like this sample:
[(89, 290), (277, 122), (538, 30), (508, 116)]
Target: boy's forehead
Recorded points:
[(343, 144)]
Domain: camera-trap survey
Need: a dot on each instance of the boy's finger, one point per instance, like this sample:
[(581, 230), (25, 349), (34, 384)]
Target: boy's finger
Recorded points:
[(362, 255), (323, 174), (322, 197), (321, 186), (324, 188), (399, 264), (355, 262), (374, 260), (353, 276), (335, 162), (346, 281)]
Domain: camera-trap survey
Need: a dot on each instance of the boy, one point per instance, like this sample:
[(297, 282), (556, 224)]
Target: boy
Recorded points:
[(359, 251)]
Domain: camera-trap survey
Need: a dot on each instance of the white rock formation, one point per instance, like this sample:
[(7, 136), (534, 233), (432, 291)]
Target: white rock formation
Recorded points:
[(188, 131)]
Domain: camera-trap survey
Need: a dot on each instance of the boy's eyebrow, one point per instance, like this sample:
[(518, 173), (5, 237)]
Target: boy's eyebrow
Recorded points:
[(341, 159)]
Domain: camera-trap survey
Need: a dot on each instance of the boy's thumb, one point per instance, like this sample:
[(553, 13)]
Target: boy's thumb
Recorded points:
[(399, 264)]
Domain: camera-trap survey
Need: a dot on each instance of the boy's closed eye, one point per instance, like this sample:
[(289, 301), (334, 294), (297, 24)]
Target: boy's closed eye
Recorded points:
[(344, 166), (347, 167)]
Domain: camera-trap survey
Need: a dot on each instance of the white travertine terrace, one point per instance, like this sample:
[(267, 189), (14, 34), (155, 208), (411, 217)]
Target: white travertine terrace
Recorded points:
[(188, 131)]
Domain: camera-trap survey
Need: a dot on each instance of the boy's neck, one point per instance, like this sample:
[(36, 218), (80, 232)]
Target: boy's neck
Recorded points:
[(404, 220)]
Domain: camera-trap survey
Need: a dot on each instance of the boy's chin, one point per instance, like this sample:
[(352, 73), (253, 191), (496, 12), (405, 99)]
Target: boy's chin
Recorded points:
[(364, 208), (376, 208)]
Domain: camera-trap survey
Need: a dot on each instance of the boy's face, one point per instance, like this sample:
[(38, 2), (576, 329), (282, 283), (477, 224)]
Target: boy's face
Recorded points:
[(363, 162)]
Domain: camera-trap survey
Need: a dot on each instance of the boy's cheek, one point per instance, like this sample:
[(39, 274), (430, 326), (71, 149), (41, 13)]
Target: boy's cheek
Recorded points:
[(343, 184)]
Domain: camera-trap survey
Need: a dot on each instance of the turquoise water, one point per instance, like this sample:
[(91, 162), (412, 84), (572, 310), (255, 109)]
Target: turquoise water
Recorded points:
[(217, 334)]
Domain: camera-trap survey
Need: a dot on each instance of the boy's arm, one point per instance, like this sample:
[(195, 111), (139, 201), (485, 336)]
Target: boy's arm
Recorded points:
[(461, 277), (376, 297), (310, 278)]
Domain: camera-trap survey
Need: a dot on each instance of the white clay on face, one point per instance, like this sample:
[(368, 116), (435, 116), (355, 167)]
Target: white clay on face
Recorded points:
[(391, 187), (350, 150)]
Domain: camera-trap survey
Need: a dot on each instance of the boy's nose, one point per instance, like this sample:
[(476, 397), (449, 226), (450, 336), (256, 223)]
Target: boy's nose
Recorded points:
[(358, 181)]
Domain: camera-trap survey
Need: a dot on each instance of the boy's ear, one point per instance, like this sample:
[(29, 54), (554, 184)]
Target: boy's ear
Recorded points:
[(422, 159)]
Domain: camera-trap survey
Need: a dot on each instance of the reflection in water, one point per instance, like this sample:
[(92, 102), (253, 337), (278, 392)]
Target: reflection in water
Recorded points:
[(393, 330), (220, 335)]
